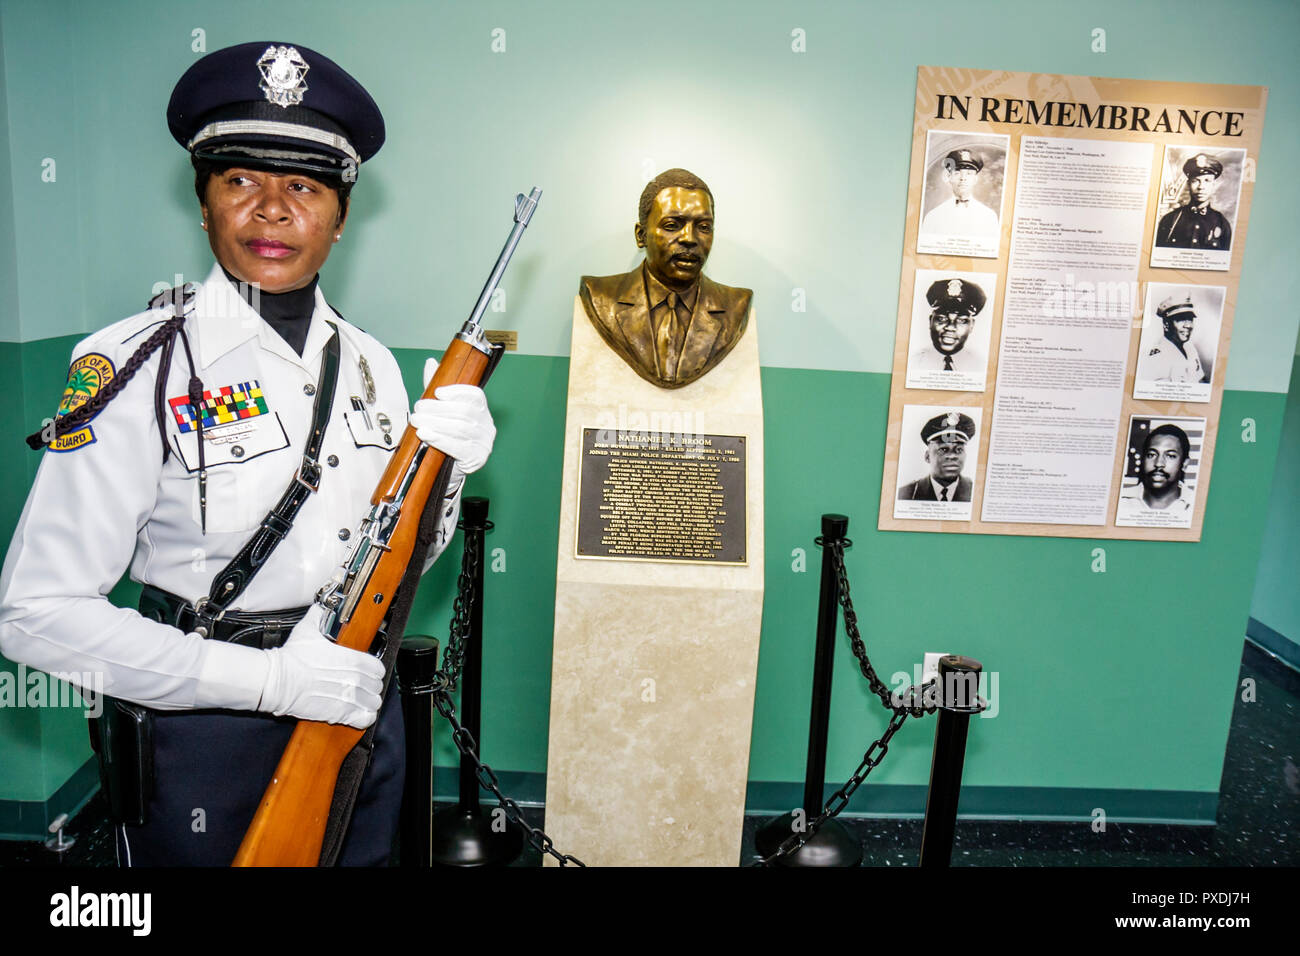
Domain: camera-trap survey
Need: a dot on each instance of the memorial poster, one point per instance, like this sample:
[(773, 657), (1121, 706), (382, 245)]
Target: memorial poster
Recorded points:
[(1097, 315)]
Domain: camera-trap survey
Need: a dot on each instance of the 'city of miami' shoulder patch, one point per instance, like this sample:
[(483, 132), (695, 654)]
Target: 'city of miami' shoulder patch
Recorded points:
[(86, 376), (220, 406)]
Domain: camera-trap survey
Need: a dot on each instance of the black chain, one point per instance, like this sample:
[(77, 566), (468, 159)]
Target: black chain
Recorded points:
[(445, 682), (448, 677), (836, 551), (453, 658), (840, 798), (901, 711)]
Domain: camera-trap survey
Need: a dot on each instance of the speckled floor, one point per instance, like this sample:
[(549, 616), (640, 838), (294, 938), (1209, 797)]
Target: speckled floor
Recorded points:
[(1259, 811)]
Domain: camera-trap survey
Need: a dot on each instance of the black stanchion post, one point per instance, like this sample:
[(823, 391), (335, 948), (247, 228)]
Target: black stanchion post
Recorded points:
[(831, 845), (417, 662), (959, 699), (463, 835)]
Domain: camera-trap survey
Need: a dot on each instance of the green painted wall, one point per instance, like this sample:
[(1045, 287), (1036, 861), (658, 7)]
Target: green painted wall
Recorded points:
[(8, 253), (587, 100), (1082, 657), (1277, 586)]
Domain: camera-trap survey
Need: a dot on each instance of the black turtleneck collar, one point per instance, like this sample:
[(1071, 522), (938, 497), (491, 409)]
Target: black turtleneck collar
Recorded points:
[(289, 313)]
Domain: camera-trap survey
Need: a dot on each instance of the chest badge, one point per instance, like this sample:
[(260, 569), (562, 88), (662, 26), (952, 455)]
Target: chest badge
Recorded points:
[(368, 381)]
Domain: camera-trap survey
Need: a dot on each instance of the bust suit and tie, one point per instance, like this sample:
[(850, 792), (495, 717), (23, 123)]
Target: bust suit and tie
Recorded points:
[(666, 319)]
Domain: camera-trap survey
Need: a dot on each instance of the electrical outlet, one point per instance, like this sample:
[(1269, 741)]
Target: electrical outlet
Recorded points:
[(930, 671)]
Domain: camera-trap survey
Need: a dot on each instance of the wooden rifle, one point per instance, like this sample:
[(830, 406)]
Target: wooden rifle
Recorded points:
[(289, 827)]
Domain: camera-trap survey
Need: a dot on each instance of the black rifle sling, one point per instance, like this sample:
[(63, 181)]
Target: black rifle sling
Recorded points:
[(231, 580)]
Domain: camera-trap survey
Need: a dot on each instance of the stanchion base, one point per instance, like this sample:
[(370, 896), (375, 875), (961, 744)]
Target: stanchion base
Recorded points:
[(464, 838), (831, 845)]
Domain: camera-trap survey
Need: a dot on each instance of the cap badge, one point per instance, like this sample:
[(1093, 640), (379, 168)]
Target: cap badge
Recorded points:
[(951, 420), (954, 288), (284, 75), (1203, 161)]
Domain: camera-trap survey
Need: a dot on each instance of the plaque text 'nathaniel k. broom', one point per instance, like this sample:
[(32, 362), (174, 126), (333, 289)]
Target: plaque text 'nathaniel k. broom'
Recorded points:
[(657, 496)]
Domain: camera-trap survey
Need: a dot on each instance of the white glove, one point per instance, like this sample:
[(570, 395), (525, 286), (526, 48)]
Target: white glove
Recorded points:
[(457, 422), (312, 678)]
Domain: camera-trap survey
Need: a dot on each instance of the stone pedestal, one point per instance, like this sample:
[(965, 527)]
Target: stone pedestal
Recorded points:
[(652, 683)]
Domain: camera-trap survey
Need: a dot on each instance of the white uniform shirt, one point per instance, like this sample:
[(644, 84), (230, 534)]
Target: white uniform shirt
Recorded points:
[(970, 218), (1164, 363), (114, 502)]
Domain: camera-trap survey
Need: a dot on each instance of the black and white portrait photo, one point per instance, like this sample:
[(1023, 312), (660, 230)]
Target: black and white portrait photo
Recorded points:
[(938, 450), (961, 197), (1179, 343), (1196, 216), (952, 322), (1159, 485)]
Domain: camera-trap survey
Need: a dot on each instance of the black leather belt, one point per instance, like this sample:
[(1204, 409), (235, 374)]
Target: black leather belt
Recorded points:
[(264, 630)]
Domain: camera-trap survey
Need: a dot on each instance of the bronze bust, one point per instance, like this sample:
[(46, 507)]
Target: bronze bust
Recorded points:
[(666, 319)]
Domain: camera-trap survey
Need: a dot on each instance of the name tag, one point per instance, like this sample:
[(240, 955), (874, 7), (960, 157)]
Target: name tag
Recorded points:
[(232, 443)]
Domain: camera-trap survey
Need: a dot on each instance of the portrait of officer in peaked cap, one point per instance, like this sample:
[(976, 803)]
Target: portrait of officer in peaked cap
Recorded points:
[(961, 197), (952, 321), (1180, 336), (1196, 224), (1197, 212), (222, 445), (937, 456)]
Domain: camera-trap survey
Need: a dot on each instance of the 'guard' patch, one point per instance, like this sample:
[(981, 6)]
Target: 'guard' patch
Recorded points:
[(220, 406), (86, 377)]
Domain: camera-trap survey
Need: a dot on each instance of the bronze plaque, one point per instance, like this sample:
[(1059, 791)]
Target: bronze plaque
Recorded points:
[(659, 496), (508, 338)]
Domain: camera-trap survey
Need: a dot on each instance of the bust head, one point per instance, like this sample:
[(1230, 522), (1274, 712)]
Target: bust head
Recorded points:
[(675, 227)]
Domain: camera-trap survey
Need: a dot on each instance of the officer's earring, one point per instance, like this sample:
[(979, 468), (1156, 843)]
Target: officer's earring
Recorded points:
[(338, 236), (204, 224)]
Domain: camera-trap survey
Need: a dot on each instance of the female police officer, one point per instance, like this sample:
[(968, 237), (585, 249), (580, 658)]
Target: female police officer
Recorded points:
[(188, 459)]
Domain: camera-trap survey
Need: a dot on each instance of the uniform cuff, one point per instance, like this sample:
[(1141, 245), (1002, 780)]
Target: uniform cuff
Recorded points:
[(454, 483), (232, 676)]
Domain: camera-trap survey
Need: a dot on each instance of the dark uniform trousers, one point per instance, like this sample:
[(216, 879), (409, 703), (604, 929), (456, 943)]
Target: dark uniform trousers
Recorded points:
[(213, 767)]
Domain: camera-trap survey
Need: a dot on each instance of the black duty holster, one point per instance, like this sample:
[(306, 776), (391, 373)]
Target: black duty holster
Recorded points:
[(122, 738)]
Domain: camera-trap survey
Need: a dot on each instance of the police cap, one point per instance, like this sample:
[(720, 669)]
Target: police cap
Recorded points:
[(947, 296), (1200, 164), (1177, 307), (962, 159), (275, 106), (950, 426)]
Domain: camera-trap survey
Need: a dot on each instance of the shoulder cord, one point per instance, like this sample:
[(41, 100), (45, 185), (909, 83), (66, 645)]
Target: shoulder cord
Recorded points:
[(163, 337)]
